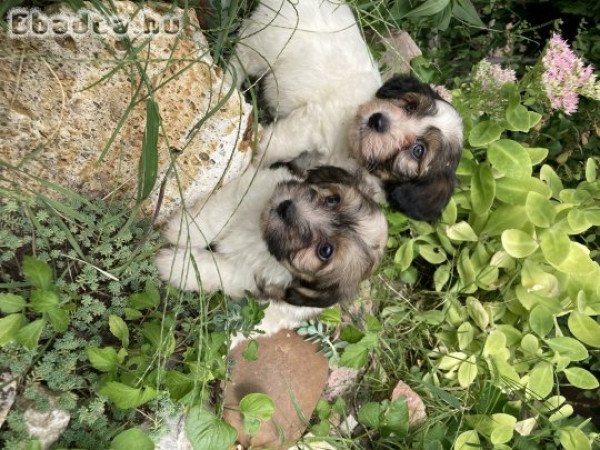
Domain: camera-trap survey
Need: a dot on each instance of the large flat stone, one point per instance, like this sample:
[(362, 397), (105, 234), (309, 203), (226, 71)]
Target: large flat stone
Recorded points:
[(291, 371), (61, 100)]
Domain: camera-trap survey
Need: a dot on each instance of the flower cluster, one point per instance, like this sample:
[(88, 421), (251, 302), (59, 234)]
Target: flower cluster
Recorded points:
[(491, 77), (565, 76)]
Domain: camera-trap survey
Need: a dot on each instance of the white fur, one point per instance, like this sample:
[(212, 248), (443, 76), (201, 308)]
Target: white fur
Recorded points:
[(317, 70)]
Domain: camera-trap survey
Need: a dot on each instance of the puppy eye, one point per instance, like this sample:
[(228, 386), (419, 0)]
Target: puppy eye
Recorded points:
[(410, 107), (332, 200), (324, 251), (417, 151)]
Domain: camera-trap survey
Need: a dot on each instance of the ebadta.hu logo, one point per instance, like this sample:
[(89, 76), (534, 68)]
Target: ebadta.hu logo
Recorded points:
[(33, 23)]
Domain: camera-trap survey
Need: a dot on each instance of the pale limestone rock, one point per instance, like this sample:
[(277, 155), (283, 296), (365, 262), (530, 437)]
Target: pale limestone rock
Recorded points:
[(8, 392), (48, 426), (57, 113), (400, 49), (416, 408), (175, 439)]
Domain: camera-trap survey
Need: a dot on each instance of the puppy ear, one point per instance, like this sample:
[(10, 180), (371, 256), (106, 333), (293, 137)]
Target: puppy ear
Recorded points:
[(330, 174), (398, 85), (422, 199), (301, 296)]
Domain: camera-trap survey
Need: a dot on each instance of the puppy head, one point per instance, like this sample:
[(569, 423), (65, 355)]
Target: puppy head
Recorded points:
[(327, 233), (411, 139)]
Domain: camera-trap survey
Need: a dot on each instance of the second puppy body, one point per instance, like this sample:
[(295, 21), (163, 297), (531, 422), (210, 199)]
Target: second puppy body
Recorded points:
[(325, 92), (305, 242)]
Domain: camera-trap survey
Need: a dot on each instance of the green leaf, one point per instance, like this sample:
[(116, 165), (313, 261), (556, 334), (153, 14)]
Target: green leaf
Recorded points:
[(495, 343), (572, 438), (590, 170), (467, 440), (569, 347), (483, 189), (30, 334), (429, 8), (549, 176), (518, 118), (205, 431), (395, 419), (478, 313), (258, 406), (370, 415), (441, 277), (484, 133), (148, 164), (467, 372), (465, 334), (11, 303), (461, 231), (43, 301), (584, 328), (37, 272), (119, 329), (103, 359), (331, 316), (404, 255), (9, 326), (505, 217), (518, 244), (541, 320), (132, 439), (514, 191), (578, 261), (540, 211), (433, 254), (351, 334), (555, 245), (250, 353), (534, 119), (465, 11), (581, 378), (125, 397), (537, 154), (58, 318), (541, 380), (510, 158)]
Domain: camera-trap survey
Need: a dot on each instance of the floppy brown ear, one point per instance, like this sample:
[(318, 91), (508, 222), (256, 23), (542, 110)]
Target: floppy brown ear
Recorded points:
[(300, 296), (422, 199), (398, 85), (330, 174)]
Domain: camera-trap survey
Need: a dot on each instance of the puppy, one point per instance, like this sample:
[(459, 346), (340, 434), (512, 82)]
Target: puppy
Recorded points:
[(322, 87), (304, 241)]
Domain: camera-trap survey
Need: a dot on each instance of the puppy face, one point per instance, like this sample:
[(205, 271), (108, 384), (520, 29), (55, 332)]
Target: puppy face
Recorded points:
[(408, 136), (327, 233)]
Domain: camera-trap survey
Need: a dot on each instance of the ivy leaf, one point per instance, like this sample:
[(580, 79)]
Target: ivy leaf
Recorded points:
[(119, 329), (30, 334), (581, 378), (11, 303), (205, 431), (9, 326), (37, 272), (584, 328), (484, 133), (103, 359), (125, 397), (134, 438)]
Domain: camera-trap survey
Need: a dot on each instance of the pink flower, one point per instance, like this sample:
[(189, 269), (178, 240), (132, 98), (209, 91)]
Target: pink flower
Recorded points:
[(491, 77), (564, 75)]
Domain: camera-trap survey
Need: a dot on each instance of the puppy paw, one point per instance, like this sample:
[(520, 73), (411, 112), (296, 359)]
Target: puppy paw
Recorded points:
[(175, 267)]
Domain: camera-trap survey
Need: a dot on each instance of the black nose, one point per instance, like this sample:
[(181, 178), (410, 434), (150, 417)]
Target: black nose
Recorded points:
[(378, 122), (286, 210)]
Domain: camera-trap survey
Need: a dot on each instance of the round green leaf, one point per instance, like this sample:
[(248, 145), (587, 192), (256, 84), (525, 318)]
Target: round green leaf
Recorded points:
[(514, 191), (572, 438), (495, 342), (433, 254), (9, 326), (549, 176), (404, 255), (467, 372), (541, 320), (465, 334), (30, 334), (103, 359), (501, 434), (518, 244), (370, 415), (467, 440), (126, 397), (461, 231), (578, 221), (483, 189), (207, 432), (569, 347), (441, 277), (537, 154), (258, 406), (43, 301), (555, 245), (119, 329), (584, 328), (541, 380), (478, 313), (11, 303), (581, 378), (540, 211), (37, 272), (518, 118), (134, 438), (590, 170), (510, 158), (577, 261), (484, 133)]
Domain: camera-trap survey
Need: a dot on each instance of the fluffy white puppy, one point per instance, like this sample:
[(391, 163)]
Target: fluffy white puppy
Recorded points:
[(322, 87), (302, 239)]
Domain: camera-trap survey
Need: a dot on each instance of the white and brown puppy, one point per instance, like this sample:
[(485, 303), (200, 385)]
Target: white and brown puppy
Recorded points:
[(322, 87), (303, 242)]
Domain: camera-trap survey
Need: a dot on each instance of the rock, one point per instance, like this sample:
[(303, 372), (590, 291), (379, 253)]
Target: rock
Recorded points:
[(340, 381), (46, 426), (310, 442), (416, 407), (62, 98), (7, 395), (291, 371), (175, 439), (400, 49)]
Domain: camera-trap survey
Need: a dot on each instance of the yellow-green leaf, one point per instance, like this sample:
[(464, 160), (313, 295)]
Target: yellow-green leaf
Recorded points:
[(581, 378), (510, 158), (584, 328), (518, 244)]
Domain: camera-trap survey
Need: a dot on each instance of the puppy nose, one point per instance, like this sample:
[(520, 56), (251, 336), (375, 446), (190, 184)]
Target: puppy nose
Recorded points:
[(285, 210), (378, 122)]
